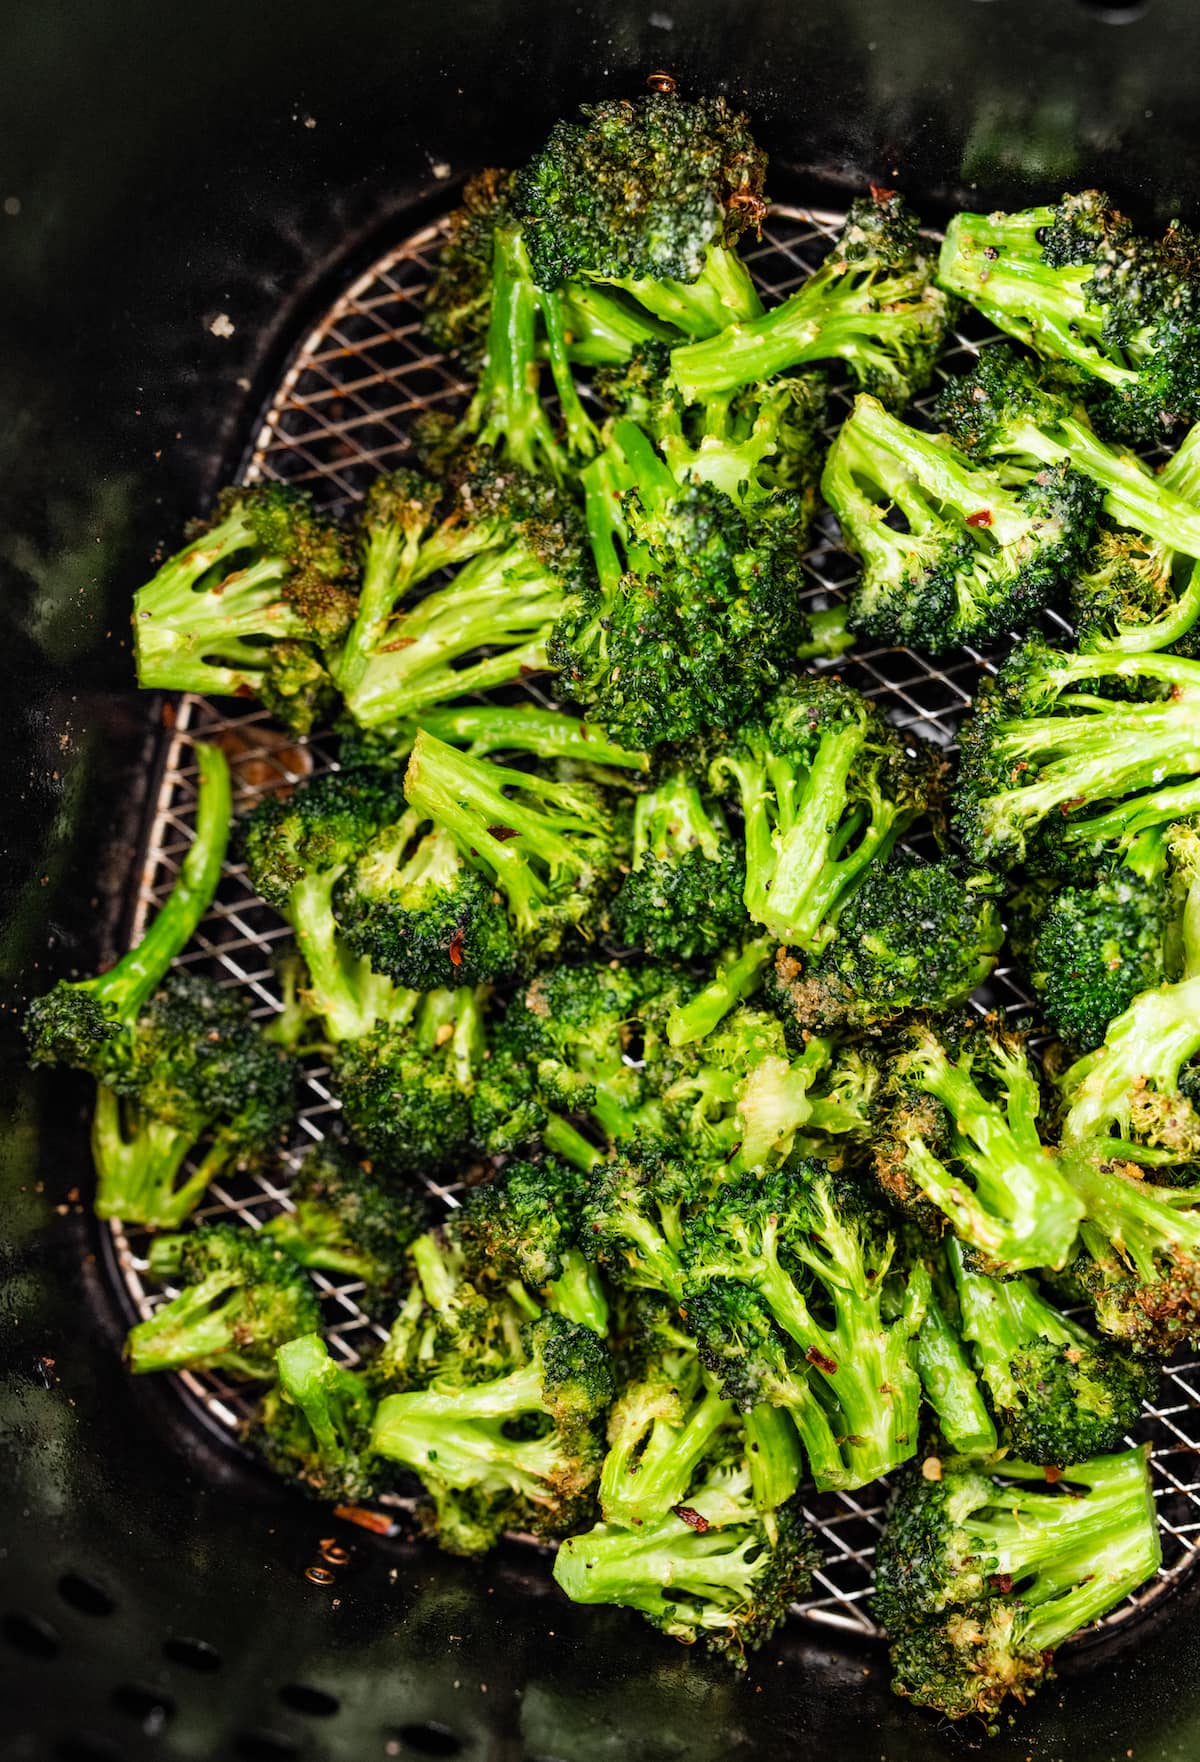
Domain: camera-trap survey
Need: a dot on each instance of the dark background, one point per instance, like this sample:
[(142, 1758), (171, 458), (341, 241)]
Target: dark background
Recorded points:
[(162, 164)]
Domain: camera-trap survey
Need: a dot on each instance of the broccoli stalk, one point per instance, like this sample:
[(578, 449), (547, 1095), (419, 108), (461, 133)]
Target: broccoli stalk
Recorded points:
[(951, 553), (980, 1579), (682, 898), (242, 1299), (826, 788), (483, 729), (975, 1110), (343, 1219), (659, 1434), (546, 844), (738, 975), (313, 1427), (871, 304), (1060, 1397), (948, 1378), (525, 1226), (250, 605)]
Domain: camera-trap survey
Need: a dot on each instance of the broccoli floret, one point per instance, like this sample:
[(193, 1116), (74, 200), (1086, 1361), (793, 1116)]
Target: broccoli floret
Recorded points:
[(916, 935), (648, 197), (297, 849), (251, 605), (531, 1435), (697, 609), (979, 1579), (547, 844), (737, 975), (727, 1579), (799, 1255), (414, 908), (408, 1089), (872, 304), (682, 899), (634, 1216), (314, 1425), (484, 729), (949, 1379), (1005, 409), (447, 1327), (192, 1068), (343, 1218), (1058, 1395), (242, 1298), (961, 1133), (825, 788), (951, 553), (525, 1225), (1139, 1246), (1090, 946), (517, 550), (86, 1023), (1054, 767), (1076, 283)]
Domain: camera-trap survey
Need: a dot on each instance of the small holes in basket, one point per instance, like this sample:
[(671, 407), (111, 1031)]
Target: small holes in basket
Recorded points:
[(265, 1746), (145, 1703), (430, 1739), (192, 1654), (301, 1697), (30, 1634), (85, 1594)]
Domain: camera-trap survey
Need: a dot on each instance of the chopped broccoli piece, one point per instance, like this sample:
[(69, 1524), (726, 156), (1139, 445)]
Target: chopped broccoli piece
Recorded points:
[(484, 729), (682, 899), (525, 1225), (314, 1425), (242, 1298), (343, 1218), (737, 975)]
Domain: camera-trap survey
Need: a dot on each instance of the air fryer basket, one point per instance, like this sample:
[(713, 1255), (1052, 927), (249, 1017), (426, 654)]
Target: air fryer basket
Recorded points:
[(219, 266)]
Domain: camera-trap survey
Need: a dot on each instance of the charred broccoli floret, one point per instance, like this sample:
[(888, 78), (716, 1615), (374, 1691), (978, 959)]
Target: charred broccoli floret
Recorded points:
[(951, 552), (344, 1218), (981, 1576), (252, 604), (682, 899), (916, 935), (525, 1225), (961, 1133), (242, 1298)]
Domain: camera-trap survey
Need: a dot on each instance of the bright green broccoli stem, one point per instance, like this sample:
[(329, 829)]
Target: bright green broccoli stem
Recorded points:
[(561, 1138), (722, 294), (671, 818), (343, 989), (1020, 1212), (332, 1399), (738, 976), (189, 638), (773, 1456), (996, 261), (480, 729), (1149, 1227), (1001, 1317), (951, 1385), (459, 1436), (1147, 1046), (124, 990), (580, 429), (578, 1292), (193, 1329), (603, 330), (643, 1488), (138, 1162), (829, 636)]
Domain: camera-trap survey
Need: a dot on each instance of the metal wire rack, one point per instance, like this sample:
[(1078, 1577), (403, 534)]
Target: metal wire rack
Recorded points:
[(340, 415)]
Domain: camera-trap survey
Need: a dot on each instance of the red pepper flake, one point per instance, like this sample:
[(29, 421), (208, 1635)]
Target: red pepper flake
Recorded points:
[(456, 949), (1053, 1475), (1002, 1582), (822, 1361), (982, 518), (687, 1514), (502, 832), (879, 194), (378, 1522)]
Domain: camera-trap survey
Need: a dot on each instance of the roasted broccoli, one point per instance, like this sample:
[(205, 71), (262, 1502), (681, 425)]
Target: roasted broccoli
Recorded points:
[(951, 552), (252, 605), (682, 899), (242, 1298), (825, 788), (524, 1226), (981, 1575), (1078, 284), (484, 729), (872, 304), (314, 1424), (916, 935), (342, 1217), (959, 1132)]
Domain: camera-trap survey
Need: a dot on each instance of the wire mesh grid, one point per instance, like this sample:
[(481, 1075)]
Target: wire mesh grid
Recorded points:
[(339, 417)]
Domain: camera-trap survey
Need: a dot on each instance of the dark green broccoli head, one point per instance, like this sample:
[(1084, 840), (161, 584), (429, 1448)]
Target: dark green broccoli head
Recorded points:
[(344, 1217), (573, 1024), (1074, 1402), (458, 302), (1085, 230), (916, 935), (1002, 393), (296, 687), (420, 913), (321, 827), (317, 554), (524, 511), (575, 1370), (682, 899), (1089, 948), (640, 189), (70, 1025), (520, 1223), (242, 1298)]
